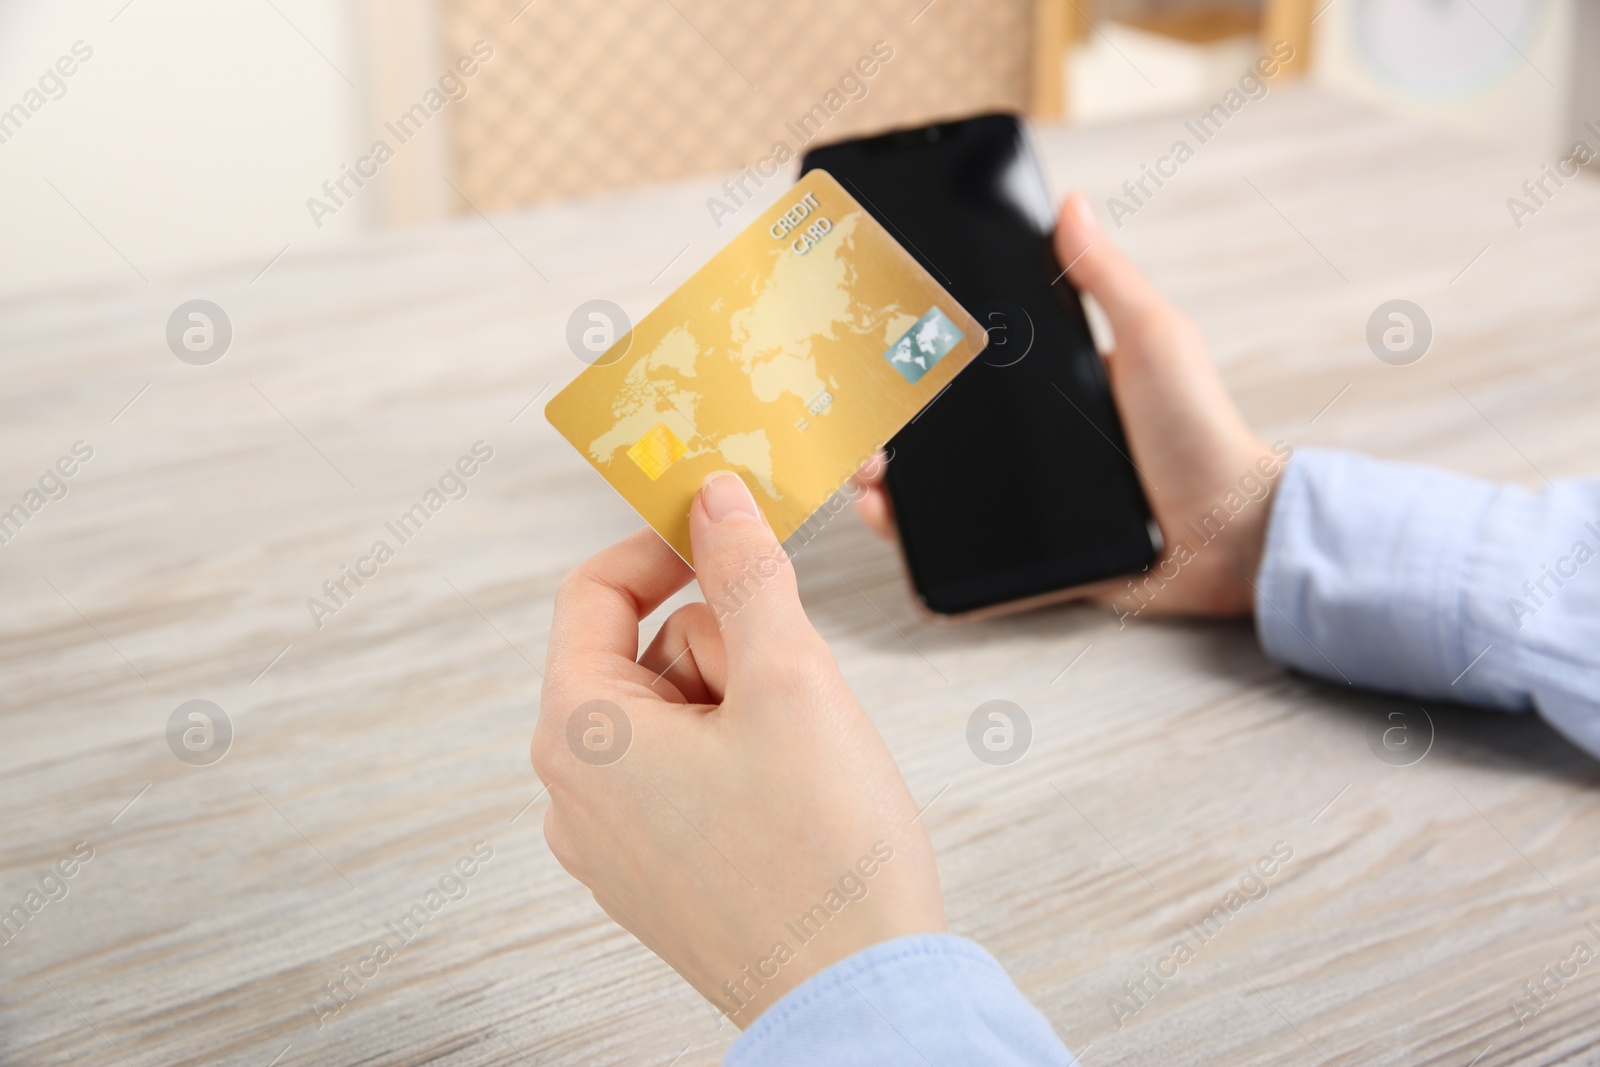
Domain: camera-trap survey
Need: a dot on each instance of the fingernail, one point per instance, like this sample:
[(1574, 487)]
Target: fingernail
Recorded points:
[(724, 493), (1085, 214)]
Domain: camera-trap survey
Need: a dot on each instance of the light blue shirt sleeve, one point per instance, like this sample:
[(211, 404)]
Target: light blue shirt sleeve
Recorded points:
[(1419, 581), (932, 1000)]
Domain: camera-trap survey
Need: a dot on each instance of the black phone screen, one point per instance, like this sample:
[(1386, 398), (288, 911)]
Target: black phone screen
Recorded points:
[(1014, 482)]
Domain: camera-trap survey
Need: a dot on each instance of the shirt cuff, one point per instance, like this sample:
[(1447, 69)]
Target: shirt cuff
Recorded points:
[(930, 999), (1420, 581), (1362, 577)]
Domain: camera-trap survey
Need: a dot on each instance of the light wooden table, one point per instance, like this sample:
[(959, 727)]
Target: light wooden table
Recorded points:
[(371, 754)]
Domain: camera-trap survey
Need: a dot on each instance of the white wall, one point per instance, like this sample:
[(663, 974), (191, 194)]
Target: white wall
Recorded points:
[(195, 133)]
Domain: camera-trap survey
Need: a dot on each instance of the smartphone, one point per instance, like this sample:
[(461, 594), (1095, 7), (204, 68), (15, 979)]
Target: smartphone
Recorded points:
[(1014, 486)]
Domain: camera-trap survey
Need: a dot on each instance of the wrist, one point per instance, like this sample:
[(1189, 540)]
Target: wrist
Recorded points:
[(1215, 539), (890, 892), (792, 960), (1249, 503)]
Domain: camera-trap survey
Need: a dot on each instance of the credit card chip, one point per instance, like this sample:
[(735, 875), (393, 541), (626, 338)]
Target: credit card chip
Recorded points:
[(657, 450)]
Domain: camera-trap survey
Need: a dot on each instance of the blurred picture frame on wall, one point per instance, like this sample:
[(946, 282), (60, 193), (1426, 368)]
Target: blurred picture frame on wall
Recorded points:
[(1517, 71)]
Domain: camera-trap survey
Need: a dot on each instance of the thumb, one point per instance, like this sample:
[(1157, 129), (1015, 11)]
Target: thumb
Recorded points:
[(1099, 268), (744, 572)]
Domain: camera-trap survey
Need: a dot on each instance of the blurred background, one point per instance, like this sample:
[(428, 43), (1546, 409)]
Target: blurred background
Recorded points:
[(194, 132)]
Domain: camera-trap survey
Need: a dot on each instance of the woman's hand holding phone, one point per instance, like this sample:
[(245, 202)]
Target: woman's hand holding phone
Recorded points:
[(1188, 440)]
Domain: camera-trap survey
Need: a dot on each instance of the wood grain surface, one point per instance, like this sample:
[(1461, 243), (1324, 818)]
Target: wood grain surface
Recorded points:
[(371, 754)]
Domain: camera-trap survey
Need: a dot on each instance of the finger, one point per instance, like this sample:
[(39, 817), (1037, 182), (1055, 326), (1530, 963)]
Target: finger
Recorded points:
[(872, 504), (747, 578), (687, 656), (599, 605), (1099, 268), (870, 497), (872, 471)]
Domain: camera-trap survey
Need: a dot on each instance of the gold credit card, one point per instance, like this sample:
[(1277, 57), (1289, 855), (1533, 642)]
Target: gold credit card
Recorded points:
[(790, 358)]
